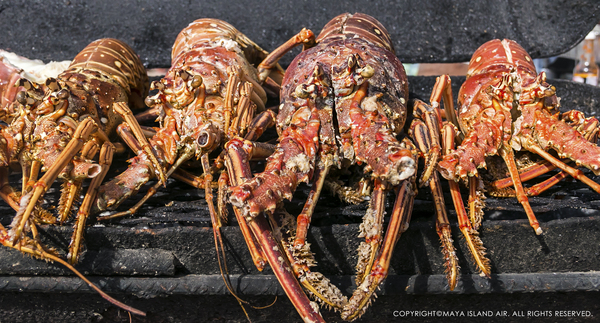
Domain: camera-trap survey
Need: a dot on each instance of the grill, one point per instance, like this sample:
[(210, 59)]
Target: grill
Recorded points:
[(163, 259)]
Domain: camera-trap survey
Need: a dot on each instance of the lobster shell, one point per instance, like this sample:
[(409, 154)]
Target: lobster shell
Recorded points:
[(109, 71), (349, 35)]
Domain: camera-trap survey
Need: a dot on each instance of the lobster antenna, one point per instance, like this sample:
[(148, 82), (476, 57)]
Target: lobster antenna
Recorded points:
[(40, 253)]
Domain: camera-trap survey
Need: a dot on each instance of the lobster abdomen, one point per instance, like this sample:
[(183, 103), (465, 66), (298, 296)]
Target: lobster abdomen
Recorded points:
[(116, 60)]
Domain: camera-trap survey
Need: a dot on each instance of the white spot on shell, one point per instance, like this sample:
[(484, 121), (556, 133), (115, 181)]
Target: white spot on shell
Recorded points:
[(478, 59), (118, 64), (103, 120)]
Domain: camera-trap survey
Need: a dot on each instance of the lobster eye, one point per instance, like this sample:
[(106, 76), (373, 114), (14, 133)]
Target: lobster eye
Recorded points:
[(21, 97), (62, 94), (196, 81), (149, 102)]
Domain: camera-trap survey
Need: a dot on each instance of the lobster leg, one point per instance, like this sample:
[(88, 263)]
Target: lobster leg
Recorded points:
[(283, 272), (301, 259), (72, 187), (298, 253), (261, 122), (122, 109), (112, 193), (28, 202), (148, 115), (232, 84), (423, 138), (508, 156), (442, 92), (31, 174), (106, 155), (305, 37), (433, 121), (363, 295), (427, 137), (476, 203), (239, 172), (188, 178), (304, 218), (245, 112), (588, 127), (36, 250), (186, 155), (7, 192), (467, 224), (371, 230), (238, 151)]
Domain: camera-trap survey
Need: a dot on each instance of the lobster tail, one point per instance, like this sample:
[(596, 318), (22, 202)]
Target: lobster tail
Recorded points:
[(357, 25), (115, 60)]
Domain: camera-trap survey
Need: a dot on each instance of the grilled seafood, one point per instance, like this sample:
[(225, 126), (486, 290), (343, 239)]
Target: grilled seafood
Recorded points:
[(212, 94), (343, 102), (505, 106), (64, 128)]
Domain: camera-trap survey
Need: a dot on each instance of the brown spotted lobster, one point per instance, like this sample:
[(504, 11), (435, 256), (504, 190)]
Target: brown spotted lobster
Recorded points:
[(343, 102), (63, 128)]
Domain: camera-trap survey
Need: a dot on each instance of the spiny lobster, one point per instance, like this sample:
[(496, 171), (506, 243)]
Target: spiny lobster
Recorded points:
[(343, 102), (209, 96), (14, 67), (503, 106), (63, 128), (64, 123), (210, 93)]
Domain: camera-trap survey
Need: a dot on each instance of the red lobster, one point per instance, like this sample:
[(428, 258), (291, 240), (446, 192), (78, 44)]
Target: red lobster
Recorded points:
[(210, 95), (343, 102), (211, 92), (63, 128), (503, 106)]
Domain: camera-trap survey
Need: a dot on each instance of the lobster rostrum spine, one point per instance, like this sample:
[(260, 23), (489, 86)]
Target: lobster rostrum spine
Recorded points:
[(504, 105), (343, 102)]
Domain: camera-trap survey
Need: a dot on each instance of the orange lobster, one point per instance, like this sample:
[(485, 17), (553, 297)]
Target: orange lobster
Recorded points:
[(64, 129)]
